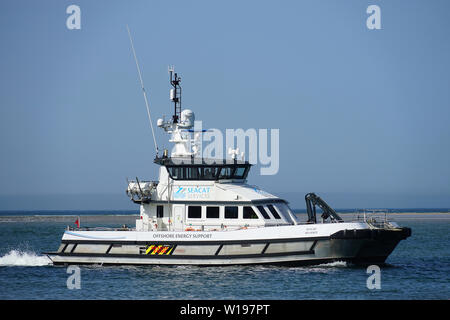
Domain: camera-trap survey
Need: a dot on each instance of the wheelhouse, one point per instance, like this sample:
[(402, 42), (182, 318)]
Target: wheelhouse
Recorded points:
[(204, 169)]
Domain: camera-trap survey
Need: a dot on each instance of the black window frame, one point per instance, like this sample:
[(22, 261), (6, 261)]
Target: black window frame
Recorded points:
[(274, 211), (263, 212), (159, 211), (185, 172), (241, 176), (227, 212), (190, 173), (213, 207), (253, 214), (188, 213)]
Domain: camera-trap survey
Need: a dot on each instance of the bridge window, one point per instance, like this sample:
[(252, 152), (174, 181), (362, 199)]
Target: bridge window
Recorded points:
[(239, 173), (193, 173), (225, 173), (203, 172), (173, 172)]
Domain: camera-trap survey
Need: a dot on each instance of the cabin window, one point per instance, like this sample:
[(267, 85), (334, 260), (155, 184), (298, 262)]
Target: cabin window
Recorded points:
[(263, 212), (286, 212), (225, 173), (239, 173), (231, 212), (159, 211), (194, 212), (273, 211), (212, 212), (249, 213)]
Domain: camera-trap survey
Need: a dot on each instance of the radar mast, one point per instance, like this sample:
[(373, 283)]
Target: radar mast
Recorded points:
[(175, 94)]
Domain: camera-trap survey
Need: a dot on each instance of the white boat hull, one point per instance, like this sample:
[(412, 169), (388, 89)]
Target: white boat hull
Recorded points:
[(290, 245)]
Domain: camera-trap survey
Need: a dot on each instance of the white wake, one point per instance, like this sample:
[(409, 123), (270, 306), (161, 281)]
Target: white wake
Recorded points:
[(22, 258), (334, 264)]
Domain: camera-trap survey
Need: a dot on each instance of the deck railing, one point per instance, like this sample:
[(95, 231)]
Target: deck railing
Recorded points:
[(376, 218)]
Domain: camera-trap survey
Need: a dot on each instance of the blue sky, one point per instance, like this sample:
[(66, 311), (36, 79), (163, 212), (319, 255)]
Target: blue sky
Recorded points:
[(363, 114)]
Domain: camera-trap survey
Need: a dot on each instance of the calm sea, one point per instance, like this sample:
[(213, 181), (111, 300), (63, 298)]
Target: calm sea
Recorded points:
[(419, 268)]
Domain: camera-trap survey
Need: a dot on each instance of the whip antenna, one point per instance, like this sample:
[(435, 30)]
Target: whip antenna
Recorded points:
[(143, 90)]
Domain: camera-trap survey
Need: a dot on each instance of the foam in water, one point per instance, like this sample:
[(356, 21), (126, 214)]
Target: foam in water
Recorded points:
[(21, 258), (334, 264)]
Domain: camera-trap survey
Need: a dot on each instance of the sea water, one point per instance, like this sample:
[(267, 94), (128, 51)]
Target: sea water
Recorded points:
[(419, 268)]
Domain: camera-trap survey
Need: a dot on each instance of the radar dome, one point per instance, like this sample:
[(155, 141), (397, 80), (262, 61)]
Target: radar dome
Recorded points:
[(187, 118)]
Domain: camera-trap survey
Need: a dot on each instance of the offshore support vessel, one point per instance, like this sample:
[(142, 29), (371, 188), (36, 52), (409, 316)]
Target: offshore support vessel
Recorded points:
[(203, 212)]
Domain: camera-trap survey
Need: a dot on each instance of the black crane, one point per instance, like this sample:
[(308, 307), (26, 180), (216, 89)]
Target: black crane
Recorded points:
[(312, 200)]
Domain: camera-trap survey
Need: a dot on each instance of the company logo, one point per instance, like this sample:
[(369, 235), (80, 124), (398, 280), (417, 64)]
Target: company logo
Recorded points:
[(180, 193), (191, 193)]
